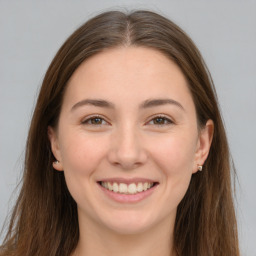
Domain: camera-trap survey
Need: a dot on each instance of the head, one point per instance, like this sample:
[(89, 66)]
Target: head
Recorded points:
[(207, 194)]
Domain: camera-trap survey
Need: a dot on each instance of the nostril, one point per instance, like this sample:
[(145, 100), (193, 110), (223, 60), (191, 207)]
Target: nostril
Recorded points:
[(127, 153)]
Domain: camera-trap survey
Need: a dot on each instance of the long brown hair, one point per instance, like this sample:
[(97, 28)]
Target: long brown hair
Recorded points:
[(45, 221)]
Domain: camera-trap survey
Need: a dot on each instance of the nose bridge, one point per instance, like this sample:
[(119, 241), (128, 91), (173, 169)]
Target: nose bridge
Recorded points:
[(126, 147), (128, 141)]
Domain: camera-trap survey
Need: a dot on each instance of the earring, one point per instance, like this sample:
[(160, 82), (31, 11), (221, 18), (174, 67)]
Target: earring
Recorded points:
[(200, 168), (56, 162)]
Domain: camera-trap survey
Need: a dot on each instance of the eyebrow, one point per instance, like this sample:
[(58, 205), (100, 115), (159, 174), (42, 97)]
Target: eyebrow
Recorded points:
[(159, 102), (93, 102), (146, 104)]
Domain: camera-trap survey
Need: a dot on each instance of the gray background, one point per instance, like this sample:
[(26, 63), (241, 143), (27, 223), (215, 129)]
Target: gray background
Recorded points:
[(225, 31)]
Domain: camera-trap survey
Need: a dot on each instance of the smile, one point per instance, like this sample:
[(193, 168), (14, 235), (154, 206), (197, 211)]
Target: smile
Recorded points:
[(129, 189), (132, 190)]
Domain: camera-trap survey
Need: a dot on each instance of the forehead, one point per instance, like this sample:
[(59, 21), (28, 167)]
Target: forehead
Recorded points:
[(128, 74)]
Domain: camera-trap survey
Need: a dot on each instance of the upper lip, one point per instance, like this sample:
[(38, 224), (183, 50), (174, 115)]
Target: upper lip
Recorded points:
[(127, 180)]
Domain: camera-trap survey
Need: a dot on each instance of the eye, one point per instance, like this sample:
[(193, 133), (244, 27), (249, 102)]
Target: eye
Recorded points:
[(160, 121), (94, 120)]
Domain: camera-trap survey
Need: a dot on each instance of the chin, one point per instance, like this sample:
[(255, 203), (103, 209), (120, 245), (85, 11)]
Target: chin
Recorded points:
[(128, 228), (130, 223)]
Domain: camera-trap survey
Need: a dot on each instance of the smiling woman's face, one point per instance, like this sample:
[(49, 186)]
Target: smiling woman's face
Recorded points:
[(127, 139)]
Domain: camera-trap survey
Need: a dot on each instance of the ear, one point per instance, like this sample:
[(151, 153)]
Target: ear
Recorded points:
[(52, 135), (203, 144)]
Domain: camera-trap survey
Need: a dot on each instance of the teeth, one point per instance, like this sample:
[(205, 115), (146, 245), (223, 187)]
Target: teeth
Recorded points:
[(109, 186), (115, 187), (132, 188), (123, 188), (140, 187)]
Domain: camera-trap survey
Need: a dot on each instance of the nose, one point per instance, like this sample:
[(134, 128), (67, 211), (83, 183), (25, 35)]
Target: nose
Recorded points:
[(127, 150)]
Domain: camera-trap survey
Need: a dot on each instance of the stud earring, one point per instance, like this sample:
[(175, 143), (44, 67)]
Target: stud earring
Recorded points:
[(200, 168), (56, 162)]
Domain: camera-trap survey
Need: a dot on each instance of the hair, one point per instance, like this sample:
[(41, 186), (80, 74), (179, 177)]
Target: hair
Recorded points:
[(44, 220)]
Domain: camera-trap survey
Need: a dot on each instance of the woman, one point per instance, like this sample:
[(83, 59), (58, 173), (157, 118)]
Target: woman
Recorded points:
[(126, 152)]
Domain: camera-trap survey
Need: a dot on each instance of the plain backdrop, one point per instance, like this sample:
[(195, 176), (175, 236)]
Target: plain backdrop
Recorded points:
[(225, 32)]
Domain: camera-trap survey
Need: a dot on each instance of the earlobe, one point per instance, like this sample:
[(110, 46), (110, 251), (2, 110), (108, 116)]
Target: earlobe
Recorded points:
[(52, 136), (204, 145), (57, 165)]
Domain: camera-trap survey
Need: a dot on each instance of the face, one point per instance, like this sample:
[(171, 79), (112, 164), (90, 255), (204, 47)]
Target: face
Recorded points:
[(127, 139)]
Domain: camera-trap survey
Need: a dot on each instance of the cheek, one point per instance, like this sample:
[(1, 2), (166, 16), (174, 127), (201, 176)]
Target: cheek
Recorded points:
[(81, 157), (175, 155), (81, 154), (175, 158)]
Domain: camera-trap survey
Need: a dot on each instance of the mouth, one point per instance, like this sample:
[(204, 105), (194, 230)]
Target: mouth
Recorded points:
[(127, 188)]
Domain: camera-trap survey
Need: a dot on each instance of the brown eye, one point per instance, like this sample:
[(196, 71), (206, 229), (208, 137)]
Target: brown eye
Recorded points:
[(160, 120), (94, 121)]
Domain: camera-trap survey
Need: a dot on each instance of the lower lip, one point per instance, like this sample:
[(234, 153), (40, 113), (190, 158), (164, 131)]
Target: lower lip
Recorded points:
[(126, 198)]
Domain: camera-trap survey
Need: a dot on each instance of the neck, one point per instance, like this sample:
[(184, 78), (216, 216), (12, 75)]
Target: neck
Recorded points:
[(97, 241)]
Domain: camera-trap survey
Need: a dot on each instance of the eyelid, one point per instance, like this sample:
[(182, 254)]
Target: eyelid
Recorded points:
[(163, 116), (85, 121), (88, 118)]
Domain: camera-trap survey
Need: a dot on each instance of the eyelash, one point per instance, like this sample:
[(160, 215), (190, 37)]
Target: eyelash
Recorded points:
[(89, 120), (167, 121)]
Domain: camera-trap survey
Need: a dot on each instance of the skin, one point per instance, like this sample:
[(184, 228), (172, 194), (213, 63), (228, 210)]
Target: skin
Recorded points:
[(127, 141)]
